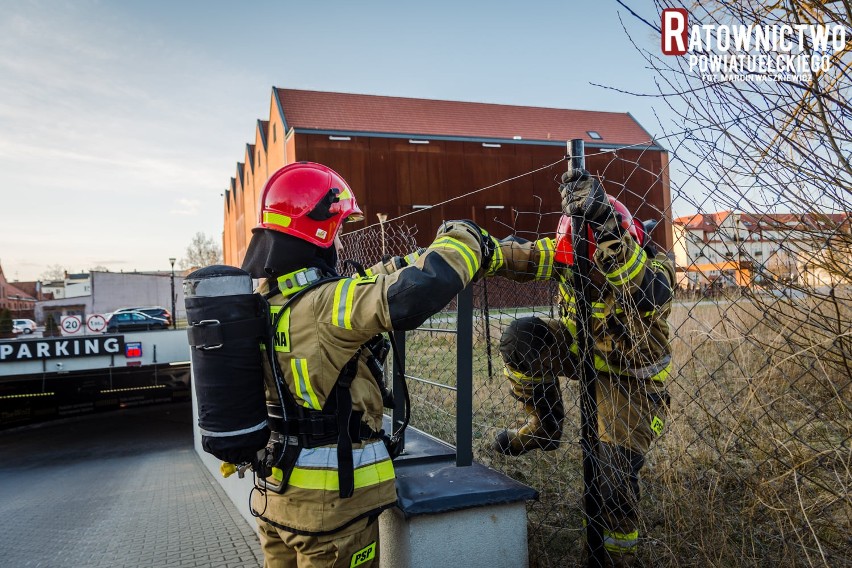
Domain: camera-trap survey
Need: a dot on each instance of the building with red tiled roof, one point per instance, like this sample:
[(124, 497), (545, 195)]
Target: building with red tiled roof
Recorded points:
[(34, 289), (343, 113), (404, 155), (16, 300), (762, 222)]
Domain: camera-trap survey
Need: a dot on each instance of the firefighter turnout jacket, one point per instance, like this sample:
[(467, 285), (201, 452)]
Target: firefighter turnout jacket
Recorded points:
[(632, 291), (316, 336)]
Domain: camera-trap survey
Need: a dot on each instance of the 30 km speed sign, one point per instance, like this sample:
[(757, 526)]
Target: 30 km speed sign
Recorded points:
[(96, 323), (71, 325)]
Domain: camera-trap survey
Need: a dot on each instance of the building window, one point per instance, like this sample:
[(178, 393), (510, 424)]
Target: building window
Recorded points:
[(274, 133), (258, 158), (594, 135)]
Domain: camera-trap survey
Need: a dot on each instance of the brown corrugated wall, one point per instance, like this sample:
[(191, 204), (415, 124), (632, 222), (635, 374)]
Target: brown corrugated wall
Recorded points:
[(392, 175)]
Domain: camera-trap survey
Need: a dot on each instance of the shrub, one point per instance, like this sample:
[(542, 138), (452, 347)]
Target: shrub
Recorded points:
[(51, 328), (6, 323)]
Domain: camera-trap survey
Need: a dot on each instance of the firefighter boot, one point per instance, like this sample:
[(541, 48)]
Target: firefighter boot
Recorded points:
[(619, 560), (543, 427)]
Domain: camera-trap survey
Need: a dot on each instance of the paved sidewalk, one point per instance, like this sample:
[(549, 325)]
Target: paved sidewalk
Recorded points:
[(119, 489)]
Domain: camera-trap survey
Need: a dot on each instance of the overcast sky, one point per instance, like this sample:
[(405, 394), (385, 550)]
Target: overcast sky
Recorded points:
[(121, 122)]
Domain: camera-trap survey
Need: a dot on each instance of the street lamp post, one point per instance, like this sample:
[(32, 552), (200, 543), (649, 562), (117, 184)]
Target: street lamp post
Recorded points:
[(174, 313)]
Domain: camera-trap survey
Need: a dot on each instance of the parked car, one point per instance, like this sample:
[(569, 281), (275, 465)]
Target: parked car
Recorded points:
[(153, 311), (134, 321), (25, 326)]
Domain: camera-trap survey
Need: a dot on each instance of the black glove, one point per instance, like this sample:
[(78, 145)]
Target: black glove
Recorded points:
[(584, 196), (487, 244)]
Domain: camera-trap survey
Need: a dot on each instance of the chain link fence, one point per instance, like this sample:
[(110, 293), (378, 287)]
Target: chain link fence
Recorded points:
[(754, 467)]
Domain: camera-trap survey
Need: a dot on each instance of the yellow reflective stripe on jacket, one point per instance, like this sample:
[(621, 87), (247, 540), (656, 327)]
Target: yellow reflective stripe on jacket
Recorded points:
[(342, 304), (458, 246), (631, 268), (598, 308), (519, 377), (643, 314), (304, 390), (412, 257), (658, 371), (545, 260), (570, 304), (620, 542), (327, 479), (567, 293), (325, 458)]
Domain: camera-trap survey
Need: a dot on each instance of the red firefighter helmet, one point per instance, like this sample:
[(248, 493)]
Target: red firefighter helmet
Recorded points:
[(308, 201), (564, 248)]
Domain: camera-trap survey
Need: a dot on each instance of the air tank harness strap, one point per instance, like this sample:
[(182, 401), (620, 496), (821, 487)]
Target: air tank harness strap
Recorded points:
[(337, 407), (343, 399), (320, 429), (213, 334), (335, 423)]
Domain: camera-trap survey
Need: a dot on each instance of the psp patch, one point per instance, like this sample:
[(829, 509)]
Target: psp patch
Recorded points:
[(364, 555), (657, 425)]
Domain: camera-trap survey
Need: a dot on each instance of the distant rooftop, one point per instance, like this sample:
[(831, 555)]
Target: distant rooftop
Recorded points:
[(765, 221)]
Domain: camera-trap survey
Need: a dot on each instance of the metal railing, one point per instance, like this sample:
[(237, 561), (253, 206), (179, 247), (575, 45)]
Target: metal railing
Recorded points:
[(463, 390)]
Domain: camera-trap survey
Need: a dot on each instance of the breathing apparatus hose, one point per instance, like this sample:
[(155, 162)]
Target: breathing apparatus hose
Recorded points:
[(396, 438)]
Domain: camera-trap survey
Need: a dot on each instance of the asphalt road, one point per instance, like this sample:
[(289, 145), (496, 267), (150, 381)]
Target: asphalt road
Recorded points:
[(122, 488)]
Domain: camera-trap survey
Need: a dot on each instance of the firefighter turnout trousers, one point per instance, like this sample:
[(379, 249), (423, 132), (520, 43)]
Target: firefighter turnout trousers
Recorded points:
[(631, 414)]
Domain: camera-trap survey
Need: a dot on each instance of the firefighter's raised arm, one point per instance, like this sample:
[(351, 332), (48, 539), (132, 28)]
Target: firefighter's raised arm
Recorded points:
[(450, 263), (406, 297)]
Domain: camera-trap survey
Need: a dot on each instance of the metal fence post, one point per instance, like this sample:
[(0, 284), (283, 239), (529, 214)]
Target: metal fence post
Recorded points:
[(588, 375), (486, 318), (464, 379)]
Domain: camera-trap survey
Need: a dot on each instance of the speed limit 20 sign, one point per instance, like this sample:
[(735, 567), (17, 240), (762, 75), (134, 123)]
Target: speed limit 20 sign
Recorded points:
[(71, 325)]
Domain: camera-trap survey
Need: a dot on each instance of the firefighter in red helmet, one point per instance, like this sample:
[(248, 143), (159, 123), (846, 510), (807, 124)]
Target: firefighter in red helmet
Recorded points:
[(632, 294), (330, 469)]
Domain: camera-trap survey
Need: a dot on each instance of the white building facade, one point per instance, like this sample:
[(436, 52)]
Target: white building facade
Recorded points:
[(732, 248), (105, 292)]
